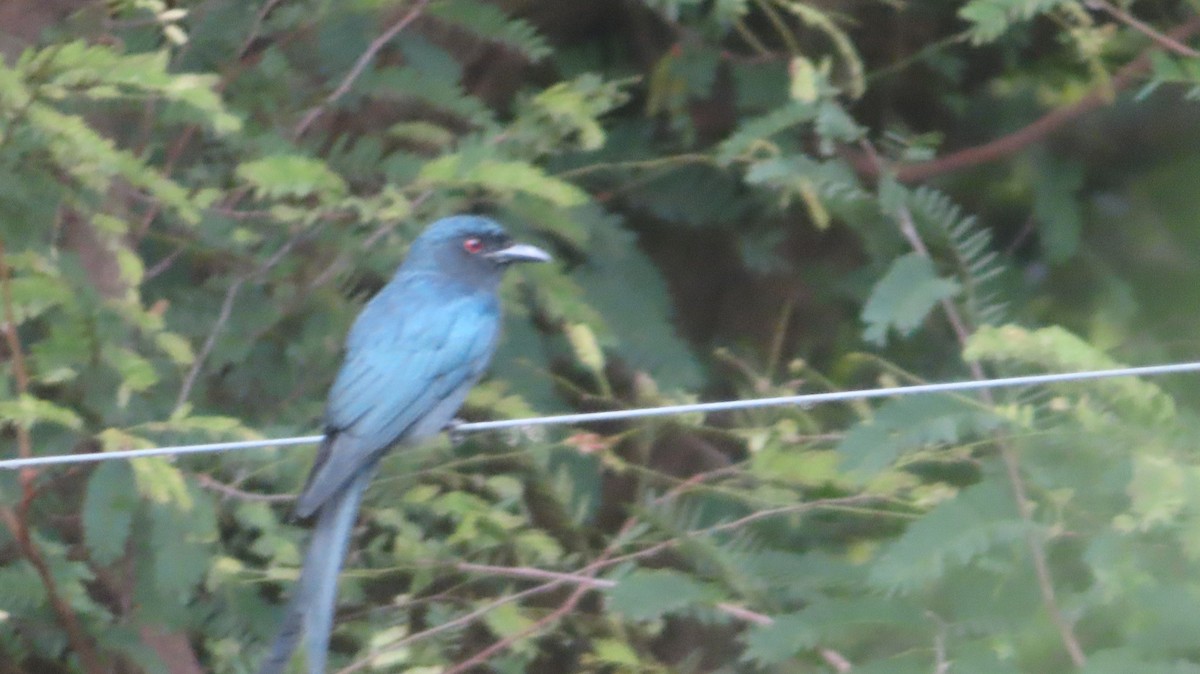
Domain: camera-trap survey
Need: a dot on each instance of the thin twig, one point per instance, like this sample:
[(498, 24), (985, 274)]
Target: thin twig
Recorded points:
[(573, 599), (163, 264), (212, 484), (1165, 41), (260, 18), (10, 327), (223, 317), (1012, 469), (185, 390), (179, 146), (745, 614), (530, 573), (1037, 130), (461, 621), (359, 66), (17, 521), (836, 660), (941, 663), (1008, 455), (482, 656)]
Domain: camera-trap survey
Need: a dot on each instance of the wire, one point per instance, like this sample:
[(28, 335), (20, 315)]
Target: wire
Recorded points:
[(804, 400)]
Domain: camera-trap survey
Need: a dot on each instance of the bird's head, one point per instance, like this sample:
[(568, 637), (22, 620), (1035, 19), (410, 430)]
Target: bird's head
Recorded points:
[(470, 247)]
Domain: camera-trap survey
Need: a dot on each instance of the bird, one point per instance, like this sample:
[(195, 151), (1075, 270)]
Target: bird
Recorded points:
[(411, 356)]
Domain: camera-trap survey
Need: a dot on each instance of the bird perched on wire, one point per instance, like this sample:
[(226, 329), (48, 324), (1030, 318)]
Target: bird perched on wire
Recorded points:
[(413, 353)]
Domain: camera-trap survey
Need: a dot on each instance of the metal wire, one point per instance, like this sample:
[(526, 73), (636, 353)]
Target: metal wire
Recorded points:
[(804, 400)]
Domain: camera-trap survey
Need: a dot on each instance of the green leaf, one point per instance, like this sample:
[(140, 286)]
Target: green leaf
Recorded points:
[(504, 177), (614, 652), (826, 620), (903, 298), (1056, 349), (137, 373), (911, 423), (180, 542), (640, 321), (507, 620), (488, 21), (108, 508), (978, 265), (35, 294), (953, 534), (28, 411), (835, 124), (693, 195), (1159, 489), (178, 349), (291, 175), (1163, 619), (94, 161), (646, 595), (21, 588), (1056, 207), (567, 114), (992, 18), (161, 482), (439, 92)]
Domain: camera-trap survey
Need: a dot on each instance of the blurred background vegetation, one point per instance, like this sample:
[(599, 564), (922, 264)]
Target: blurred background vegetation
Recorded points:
[(745, 198)]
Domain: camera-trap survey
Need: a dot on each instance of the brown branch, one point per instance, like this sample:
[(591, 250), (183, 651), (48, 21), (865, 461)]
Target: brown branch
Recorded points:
[(230, 491), (584, 579), (80, 643), (359, 66), (530, 573), (17, 521), (10, 328), (461, 621), (1020, 139), (482, 656), (1008, 455), (1012, 469)]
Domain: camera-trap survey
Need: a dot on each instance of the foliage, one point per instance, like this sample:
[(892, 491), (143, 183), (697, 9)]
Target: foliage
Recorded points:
[(745, 198)]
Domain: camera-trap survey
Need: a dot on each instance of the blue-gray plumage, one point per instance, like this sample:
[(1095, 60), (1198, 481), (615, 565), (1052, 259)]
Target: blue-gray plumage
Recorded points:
[(413, 353)]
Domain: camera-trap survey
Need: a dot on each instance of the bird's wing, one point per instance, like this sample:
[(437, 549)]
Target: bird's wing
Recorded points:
[(410, 357)]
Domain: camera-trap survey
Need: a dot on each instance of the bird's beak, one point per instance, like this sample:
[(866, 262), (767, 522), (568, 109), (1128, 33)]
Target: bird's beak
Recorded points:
[(519, 252)]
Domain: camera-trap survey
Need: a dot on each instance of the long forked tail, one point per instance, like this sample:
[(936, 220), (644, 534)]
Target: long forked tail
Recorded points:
[(310, 610)]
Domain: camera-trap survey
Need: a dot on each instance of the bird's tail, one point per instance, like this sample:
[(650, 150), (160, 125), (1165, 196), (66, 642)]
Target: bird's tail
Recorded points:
[(310, 610)]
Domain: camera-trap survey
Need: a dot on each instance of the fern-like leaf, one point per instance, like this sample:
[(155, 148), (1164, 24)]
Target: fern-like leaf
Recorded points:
[(992, 18), (971, 246), (953, 534), (490, 23), (757, 131)]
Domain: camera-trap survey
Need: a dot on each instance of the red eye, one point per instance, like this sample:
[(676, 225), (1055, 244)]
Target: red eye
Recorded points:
[(473, 245)]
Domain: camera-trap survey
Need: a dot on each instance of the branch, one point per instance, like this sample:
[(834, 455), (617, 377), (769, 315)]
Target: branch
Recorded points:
[(10, 332), (189, 380), (185, 390), (482, 656), (461, 621), (1008, 455), (1018, 140), (1165, 41), (531, 573), (17, 521), (230, 491), (359, 66)]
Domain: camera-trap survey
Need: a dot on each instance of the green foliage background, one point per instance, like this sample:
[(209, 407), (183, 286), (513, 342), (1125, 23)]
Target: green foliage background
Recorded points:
[(745, 198)]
